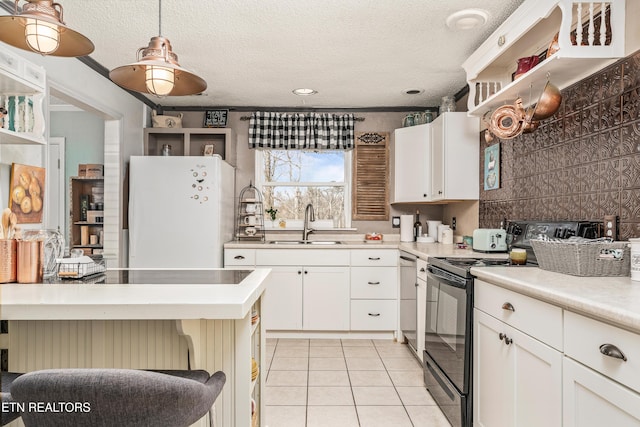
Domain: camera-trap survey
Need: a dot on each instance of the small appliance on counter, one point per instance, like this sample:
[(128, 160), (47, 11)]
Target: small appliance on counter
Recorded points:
[(489, 240)]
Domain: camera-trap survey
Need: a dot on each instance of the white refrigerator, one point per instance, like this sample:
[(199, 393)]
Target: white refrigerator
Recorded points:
[(181, 211)]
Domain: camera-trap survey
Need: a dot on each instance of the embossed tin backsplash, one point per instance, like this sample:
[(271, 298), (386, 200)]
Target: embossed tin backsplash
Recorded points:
[(581, 164)]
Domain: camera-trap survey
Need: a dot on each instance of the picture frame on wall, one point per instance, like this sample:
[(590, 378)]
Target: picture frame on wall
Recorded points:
[(208, 150), (215, 118), (492, 167), (26, 197)]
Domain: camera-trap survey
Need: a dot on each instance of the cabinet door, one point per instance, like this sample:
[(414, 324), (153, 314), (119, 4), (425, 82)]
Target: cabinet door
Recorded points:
[(593, 400), (412, 163), (437, 159), (493, 370), (326, 298), (455, 153), (421, 309), (514, 377), (282, 300)]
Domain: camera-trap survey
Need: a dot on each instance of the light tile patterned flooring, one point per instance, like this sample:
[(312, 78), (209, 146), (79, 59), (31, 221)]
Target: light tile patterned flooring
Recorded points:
[(346, 383)]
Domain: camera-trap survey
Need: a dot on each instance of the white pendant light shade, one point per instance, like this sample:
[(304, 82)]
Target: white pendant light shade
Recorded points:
[(157, 72), (39, 28), (159, 80), (42, 36)]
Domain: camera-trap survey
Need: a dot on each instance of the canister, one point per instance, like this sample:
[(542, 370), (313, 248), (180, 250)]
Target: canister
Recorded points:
[(30, 268), (8, 261)]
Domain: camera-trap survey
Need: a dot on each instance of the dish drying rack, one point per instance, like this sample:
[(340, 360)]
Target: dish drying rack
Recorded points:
[(80, 269)]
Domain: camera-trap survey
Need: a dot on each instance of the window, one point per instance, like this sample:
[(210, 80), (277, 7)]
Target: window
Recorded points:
[(291, 179)]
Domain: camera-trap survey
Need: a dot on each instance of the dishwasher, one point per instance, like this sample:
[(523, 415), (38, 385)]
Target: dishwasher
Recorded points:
[(408, 298)]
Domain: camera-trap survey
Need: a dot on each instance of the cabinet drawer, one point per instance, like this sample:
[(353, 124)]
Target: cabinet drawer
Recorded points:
[(540, 320), (374, 257), (245, 257), (374, 315), (302, 256), (584, 341), (34, 74), (374, 283), (421, 267), (10, 62)]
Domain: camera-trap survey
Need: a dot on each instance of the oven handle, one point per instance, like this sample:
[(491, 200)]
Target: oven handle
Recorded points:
[(446, 277)]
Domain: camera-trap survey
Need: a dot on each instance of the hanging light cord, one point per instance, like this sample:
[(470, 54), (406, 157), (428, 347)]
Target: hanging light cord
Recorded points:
[(160, 18)]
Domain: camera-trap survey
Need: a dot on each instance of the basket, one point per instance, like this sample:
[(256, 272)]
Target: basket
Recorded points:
[(583, 259), (69, 269)]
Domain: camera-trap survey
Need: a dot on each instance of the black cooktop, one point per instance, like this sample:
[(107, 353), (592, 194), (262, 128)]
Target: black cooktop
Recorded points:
[(461, 266)]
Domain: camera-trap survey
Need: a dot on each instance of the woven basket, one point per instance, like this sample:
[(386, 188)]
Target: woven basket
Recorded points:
[(583, 259)]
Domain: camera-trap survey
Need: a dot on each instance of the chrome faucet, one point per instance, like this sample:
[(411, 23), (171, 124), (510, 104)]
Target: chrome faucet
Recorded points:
[(309, 215)]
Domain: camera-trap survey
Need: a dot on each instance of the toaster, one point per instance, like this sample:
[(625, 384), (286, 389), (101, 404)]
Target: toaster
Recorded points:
[(489, 240)]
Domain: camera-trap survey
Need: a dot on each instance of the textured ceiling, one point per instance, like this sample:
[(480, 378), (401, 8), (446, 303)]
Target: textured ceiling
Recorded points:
[(355, 53)]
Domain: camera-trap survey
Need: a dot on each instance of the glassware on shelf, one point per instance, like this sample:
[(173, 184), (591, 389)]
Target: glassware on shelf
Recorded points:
[(448, 104)]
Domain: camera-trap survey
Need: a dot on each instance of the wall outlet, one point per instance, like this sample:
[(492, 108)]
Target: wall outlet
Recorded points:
[(453, 223), (4, 326), (611, 226), (395, 222)]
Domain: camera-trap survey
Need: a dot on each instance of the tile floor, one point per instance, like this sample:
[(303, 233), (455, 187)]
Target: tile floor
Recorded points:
[(346, 383)]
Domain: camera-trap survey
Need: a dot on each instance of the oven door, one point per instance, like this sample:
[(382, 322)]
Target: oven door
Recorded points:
[(448, 325)]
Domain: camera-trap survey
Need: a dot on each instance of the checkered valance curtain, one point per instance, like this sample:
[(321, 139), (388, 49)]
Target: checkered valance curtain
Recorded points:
[(312, 131)]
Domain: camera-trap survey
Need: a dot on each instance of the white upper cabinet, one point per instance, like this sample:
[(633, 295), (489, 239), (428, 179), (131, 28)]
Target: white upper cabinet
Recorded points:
[(437, 161), (529, 31), (22, 91), (455, 157), (412, 163)]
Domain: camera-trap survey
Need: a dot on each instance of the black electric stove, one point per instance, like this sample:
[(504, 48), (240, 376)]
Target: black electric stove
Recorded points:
[(449, 316)]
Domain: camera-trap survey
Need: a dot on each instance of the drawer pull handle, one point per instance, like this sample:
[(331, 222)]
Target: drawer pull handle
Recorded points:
[(374, 258), (612, 351), (238, 257), (504, 337), (508, 306), (373, 283), (374, 314)]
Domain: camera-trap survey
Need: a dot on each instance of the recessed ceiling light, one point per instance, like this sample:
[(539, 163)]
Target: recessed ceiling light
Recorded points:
[(303, 91), (467, 19), (413, 91)]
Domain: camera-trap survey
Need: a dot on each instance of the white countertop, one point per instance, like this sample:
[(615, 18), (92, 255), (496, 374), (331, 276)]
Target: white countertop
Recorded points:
[(615, 300), (183, 299)]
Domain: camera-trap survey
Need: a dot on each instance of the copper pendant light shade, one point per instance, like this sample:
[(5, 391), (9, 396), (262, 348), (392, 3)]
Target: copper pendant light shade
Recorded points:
[(157, 72), (39, 28)]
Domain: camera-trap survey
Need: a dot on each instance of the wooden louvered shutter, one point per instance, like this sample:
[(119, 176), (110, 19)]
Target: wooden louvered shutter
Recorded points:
[(370, 190)]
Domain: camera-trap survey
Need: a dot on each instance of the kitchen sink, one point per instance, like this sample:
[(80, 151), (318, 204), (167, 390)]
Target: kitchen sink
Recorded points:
[(302, 242)]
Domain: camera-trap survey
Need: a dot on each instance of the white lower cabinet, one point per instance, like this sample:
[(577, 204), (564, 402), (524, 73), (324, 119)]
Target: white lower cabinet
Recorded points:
[(374, 315), (517, 376), (325, 299), (307, 298), (324, 289), (593, 400), (374, 290), (518, 379), (600, 377), (282, 301)]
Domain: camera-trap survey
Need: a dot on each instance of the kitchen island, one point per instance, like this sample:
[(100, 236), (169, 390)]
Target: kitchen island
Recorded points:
[(145, 319)]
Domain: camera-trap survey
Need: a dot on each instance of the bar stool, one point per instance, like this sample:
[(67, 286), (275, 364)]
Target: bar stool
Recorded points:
[(7, 379), (122, 397)]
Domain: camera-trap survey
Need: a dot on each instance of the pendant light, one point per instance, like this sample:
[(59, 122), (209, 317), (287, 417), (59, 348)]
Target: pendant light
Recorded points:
[(156, 70), (39, 27)]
